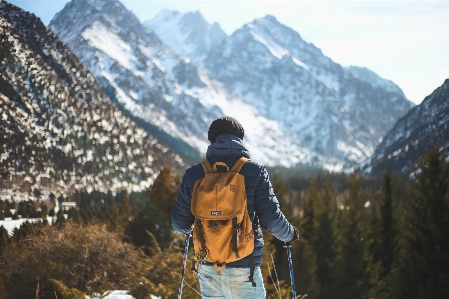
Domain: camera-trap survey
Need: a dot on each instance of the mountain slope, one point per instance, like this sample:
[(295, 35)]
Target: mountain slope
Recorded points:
[(189, 35), (298, 107), (339, 116), (58, 129), (424, 126), (165, 93), (372, 78)]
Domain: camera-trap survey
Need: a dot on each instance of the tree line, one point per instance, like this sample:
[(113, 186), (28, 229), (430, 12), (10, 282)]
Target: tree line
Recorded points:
[(374, 238), (361, 237)]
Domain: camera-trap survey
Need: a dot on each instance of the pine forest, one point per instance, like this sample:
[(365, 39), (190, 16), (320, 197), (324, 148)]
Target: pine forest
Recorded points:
[(360, 238)]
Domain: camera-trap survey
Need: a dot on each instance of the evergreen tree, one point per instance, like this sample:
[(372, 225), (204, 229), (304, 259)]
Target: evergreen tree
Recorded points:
[(423, 271), (74, 215), (305, 269), (121, 216), (388, 229), (3, 294), (285, 197), (352, 276), (382, 239), (4, 239), (44, 210), (7, 212), (275, 255), (145, 233), (309, 220), (324, 240), (60, 218), (162, 195)]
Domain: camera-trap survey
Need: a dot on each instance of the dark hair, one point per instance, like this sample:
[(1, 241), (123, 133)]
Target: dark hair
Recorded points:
[(225, 124)]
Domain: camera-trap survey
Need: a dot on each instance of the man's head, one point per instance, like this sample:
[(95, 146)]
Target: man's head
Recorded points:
[(225, 124)]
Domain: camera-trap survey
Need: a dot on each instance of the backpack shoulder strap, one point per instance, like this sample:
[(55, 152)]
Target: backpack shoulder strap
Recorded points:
[(206, 166), (239, 164)]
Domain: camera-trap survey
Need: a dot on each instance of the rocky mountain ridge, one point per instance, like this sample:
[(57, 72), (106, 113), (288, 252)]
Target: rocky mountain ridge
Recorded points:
[(297, 105), (59, 131), (425, 126), (164, 92), (338, 114), (189, 34)]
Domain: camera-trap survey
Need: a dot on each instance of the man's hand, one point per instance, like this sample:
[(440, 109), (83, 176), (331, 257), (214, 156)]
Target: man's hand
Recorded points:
[(295, 237)]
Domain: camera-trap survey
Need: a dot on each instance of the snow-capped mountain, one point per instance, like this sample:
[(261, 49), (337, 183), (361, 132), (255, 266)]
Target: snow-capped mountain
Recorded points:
[(189, 35), (424, 126), (297, 105), (338, 114), (163, 92), (58, 129)]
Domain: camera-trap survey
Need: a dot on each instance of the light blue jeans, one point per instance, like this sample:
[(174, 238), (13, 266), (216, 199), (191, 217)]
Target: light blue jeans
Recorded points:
[(233, 283)]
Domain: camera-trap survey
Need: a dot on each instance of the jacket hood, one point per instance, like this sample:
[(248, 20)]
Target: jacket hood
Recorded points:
[(227, 145)]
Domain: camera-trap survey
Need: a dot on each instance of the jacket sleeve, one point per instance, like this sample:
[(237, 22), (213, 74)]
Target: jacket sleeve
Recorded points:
[(182, 217), (268, 211)]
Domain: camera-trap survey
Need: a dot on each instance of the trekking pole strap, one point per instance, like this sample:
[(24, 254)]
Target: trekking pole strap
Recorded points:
[(251, 270), (239, 164), (251, 258), (234, 237), (199, 225)]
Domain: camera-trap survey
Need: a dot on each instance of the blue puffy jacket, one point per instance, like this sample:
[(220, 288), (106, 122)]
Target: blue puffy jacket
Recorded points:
[(261, 199)]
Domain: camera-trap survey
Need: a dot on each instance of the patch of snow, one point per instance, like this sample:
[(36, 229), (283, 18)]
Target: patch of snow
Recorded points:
[(4, 156), (329, 80), (260, 36), (119, 294), (166, 25), (300, 63), (101, 38), (9, 224)]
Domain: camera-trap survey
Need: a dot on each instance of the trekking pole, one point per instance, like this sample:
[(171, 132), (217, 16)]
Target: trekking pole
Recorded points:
[(290, 265), (184, 261)]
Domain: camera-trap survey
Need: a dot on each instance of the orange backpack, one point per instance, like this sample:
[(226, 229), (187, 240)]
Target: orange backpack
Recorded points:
[(222, 230)]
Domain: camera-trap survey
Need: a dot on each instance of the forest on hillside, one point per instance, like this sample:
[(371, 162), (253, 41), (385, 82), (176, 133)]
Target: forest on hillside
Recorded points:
[(361, 237)]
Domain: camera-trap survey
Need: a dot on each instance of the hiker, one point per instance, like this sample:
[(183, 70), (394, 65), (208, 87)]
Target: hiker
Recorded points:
[(241, 278)]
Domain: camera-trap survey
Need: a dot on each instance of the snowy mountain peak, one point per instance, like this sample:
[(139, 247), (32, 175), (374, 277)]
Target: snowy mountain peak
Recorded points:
[(270, 18), (166, 94), (195, 16), (194, 20), (166, 14), (101, 6), (188, 34), (78, 15), (268, 21), (216, 27), (314, 99), (282, 40), (297, 105), (272, 26)]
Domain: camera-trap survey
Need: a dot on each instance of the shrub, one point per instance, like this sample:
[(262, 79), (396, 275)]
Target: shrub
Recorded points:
[(71, 258)]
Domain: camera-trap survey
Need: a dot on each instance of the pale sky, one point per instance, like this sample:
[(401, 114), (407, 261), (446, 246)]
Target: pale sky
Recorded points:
[(403, 41)]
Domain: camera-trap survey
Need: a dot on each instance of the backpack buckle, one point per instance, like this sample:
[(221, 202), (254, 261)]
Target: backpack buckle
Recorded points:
[(214, 224)]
